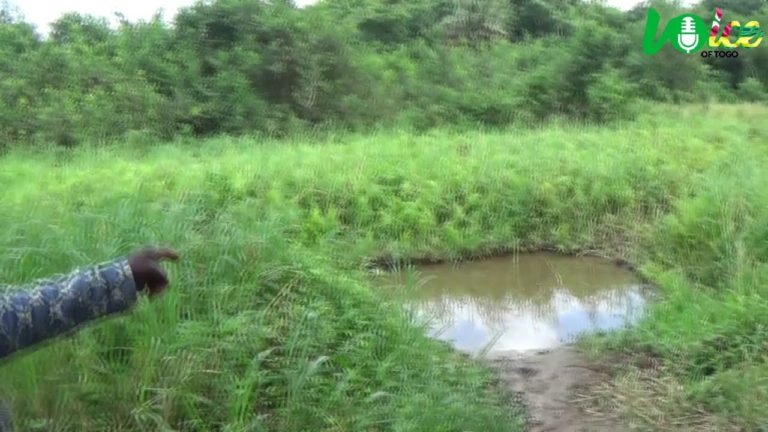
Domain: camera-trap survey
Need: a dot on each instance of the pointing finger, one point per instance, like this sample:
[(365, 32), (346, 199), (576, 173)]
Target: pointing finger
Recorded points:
[(157, 254)]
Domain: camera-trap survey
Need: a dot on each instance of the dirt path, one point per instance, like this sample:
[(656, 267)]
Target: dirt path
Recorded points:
[(548, 383)]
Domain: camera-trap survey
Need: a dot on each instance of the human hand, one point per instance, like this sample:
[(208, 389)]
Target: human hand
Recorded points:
[(146, 269)]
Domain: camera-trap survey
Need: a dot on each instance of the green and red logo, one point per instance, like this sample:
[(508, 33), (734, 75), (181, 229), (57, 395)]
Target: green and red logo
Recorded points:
[(689, 33)]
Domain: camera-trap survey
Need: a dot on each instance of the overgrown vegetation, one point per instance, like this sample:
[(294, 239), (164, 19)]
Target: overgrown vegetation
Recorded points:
[(362, 130), (245, 66), (270, 324)]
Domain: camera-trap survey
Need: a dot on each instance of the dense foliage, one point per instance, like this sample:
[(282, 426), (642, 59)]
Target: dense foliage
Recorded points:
[(271, 325), (247, 66)]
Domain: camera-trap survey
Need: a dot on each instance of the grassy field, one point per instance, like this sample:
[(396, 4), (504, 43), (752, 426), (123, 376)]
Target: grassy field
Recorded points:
[(272, 325)]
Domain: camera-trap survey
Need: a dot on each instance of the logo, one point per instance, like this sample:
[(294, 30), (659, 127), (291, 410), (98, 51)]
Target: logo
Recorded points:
[(688, 33)]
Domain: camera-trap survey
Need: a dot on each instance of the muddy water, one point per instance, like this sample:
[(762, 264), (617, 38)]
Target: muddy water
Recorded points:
[(521, 303)]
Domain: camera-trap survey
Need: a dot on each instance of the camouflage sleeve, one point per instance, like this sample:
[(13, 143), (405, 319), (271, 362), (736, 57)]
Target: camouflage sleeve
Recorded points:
[(48, 308)]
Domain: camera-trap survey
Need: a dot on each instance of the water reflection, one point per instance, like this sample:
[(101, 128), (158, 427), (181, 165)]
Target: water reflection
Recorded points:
[(532, 301)]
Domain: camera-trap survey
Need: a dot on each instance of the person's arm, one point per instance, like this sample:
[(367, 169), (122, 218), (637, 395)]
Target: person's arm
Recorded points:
[(50, 307)]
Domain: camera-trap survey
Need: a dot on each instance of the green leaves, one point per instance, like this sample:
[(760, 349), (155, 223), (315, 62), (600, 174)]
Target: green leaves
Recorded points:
[(244, 67)]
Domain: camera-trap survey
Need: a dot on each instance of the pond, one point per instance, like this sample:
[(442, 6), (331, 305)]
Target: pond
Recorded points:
[(522, 302)]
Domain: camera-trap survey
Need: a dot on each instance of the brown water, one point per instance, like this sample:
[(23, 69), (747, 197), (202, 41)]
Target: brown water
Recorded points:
[(521, 303)]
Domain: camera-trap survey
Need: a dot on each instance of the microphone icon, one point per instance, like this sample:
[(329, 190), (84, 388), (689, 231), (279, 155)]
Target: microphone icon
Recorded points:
[(688, 39)]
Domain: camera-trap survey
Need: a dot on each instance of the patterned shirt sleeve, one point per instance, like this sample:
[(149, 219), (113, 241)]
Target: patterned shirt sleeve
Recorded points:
[(48, 308)]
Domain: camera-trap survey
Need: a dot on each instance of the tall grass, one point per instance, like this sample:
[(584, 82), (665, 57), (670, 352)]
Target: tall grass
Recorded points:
[(271, 325)]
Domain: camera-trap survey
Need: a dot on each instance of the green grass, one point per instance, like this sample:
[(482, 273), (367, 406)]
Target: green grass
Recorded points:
[(271, 323)]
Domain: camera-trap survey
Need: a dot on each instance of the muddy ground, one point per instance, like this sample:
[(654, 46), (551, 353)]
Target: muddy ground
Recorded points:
[(550, 383)]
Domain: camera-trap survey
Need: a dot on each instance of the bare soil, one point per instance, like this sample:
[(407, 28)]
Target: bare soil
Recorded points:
[(550, 384)]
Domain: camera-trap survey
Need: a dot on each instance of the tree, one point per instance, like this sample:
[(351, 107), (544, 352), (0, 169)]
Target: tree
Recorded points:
[(9, 13), (743, 7), (476, 21), (394, 22), (537, 18), (74, 28)]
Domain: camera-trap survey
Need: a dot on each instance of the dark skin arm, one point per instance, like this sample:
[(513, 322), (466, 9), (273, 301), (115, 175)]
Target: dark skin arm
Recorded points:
[(48, 308)]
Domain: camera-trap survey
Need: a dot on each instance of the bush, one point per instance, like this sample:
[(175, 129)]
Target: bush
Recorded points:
[(610, 96), (752, 90), (233, 67)]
